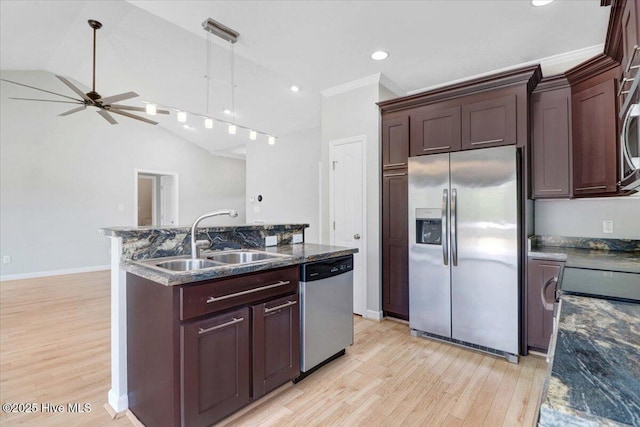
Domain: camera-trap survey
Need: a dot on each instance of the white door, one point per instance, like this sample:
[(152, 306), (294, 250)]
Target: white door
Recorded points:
[(168, 200), (347, 199)]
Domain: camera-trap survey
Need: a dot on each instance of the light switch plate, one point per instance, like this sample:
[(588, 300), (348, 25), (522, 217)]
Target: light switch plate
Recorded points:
[(271, 240), (297, 238)]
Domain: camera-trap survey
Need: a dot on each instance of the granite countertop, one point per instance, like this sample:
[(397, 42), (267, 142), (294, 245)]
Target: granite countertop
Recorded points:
[(598, 254), (594, 372), (297, 254)]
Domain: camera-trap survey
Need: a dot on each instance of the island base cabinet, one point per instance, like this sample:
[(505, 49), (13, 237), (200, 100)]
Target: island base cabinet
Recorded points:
[(276, 343), (217, 354)]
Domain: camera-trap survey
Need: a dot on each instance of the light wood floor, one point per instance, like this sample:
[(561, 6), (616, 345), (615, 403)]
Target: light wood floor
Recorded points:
[(54, 348)]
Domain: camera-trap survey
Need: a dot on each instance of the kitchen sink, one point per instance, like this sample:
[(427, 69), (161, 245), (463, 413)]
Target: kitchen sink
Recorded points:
[(243, 257), (188, 264)]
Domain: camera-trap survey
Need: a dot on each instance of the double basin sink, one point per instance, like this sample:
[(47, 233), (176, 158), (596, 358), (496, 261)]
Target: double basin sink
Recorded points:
[(215, 260)]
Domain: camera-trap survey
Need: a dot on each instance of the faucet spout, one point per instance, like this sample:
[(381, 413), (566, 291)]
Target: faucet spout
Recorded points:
[(197, 244)]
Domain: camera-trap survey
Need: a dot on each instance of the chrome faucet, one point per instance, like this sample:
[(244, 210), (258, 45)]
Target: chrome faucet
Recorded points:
[(197, 244)]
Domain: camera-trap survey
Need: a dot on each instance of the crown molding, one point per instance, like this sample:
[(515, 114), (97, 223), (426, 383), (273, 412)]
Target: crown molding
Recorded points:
[(355, 84)]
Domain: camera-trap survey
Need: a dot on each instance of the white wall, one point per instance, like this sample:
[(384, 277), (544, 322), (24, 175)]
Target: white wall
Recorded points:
[(350, 114), (63, 178), (583, 217), (286, 175)]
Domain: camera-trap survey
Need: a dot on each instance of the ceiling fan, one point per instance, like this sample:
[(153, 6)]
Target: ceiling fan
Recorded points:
[(104, 105)]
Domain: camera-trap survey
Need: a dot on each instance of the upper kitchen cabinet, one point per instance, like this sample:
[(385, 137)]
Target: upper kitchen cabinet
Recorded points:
[(395, 141), (435, 129), (551, 139), (594, 127), (489, 123), (484, 112)]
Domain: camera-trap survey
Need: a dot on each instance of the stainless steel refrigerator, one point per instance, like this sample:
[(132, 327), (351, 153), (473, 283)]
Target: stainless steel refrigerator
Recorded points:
[(464, 226)]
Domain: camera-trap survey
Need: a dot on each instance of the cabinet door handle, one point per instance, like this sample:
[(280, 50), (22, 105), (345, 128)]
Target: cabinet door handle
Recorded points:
[(551, 190), (388, 165), (444, 147), (250, 291), (280, 307), (223, 325), (597, 187), (395, 174), (490, 141), (543, 290)]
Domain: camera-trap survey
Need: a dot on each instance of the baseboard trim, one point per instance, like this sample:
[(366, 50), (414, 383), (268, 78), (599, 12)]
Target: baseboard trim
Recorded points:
[(37, 274), (374, 315)]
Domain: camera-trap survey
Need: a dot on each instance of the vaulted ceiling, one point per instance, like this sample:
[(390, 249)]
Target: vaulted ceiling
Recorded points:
[(159, 50)]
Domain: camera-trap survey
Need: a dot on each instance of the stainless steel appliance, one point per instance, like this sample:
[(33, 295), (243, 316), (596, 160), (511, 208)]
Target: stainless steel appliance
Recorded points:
[(326, 311), (629, 93), (464, 228)]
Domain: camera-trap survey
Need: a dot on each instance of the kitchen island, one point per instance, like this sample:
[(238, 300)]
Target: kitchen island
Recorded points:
[(132, 246)]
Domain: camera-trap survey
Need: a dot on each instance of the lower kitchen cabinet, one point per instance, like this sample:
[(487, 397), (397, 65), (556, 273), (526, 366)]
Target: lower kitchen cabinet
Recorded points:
[(198, 352), (276, 343), (542, 280), (216, 355)]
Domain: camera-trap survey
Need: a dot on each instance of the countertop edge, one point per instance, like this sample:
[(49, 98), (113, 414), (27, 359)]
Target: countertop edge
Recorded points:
[(173, 279)]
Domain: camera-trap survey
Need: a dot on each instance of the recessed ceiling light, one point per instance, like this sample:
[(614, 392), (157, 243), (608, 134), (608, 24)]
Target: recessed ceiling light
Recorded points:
[(227, 111), (540, 2), (295, 89), (379, 55), (186, 126)]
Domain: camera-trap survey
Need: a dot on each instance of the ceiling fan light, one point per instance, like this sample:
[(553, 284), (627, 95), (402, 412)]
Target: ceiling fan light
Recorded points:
[(182, 116), (151, 109), (208, 123), (272, 140), (253, 135), (232, 129)]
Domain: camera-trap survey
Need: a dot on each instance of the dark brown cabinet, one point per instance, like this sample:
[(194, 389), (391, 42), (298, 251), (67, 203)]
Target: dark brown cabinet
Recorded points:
[(199, 352), (395, 245), (489, 123), (216, 357), (541, 286), (551, 143), (395, 142), (276, 343), (594, 139), (435, 130), (630, 36)]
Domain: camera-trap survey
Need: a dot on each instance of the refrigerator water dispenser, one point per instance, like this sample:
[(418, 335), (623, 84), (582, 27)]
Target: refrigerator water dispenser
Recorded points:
[(429, 226)]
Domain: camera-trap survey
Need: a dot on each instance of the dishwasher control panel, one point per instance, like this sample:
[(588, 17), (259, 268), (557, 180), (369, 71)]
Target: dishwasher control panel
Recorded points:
[(326, 268)]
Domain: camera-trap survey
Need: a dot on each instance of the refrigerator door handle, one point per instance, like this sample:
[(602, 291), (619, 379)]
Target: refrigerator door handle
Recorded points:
[(445, 235), (454, 226)]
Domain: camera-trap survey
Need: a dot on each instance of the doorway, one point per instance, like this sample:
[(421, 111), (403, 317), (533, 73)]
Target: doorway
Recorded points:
[(155, 198), (347, 209)]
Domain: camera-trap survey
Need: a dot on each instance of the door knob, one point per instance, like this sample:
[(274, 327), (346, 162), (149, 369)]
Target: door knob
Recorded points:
[(356, 236)]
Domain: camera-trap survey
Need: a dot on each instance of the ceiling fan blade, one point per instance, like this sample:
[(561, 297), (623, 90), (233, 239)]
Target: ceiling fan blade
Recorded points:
[(75, 110), (133, 116), (128, 107), (37, 88), (107, 117), (118, 98), (46, 100), (75, 89)]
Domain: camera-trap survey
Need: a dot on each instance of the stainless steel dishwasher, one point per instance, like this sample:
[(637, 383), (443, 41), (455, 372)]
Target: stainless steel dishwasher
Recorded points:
[(326, 312)]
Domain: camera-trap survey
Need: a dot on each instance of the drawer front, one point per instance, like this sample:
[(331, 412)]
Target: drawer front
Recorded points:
[(210, 297)]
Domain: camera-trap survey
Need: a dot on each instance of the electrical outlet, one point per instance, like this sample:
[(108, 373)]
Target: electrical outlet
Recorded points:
[(607, 226), (297, 238), (6, 259), (271, 240)]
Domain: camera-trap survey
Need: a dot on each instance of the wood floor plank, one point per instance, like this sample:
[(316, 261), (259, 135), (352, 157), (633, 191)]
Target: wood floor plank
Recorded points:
[(55, 340)]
